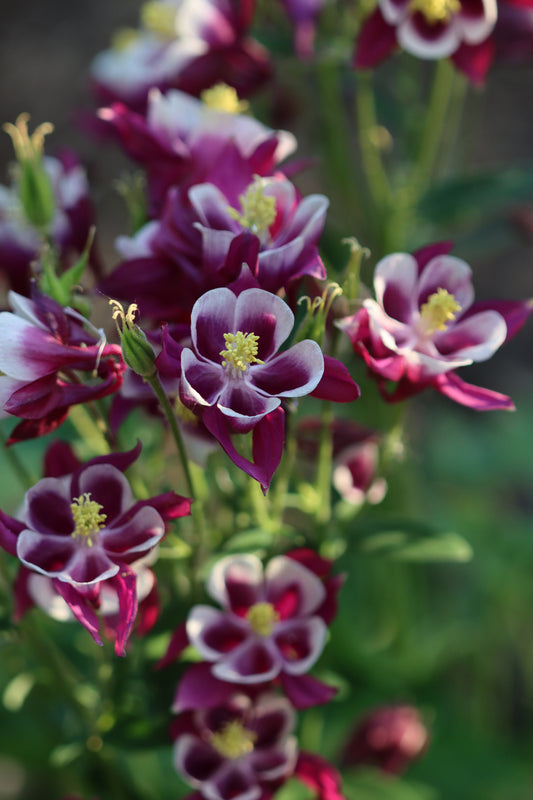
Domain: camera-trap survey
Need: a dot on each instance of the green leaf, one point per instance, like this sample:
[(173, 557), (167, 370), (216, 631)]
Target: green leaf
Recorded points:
[(367, 784), (465, 199), (409, 540)]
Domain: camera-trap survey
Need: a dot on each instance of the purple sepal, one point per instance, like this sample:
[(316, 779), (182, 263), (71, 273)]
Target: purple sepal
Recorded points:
[(23, 599), (514, 312), (267, 443), (124, 583), (178, 642), (120, 461), (168, 362), (169, 505), (376, 41), (9, 531), (424, 254), (475, 397), (199, 688), (474, 59), (319, 775), (336, 383), (60, 460), (33, 428), (304, 691), (80, 606)]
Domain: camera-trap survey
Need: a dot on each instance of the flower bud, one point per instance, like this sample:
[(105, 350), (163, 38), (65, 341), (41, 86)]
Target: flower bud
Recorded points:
[(388, 738), (137, 351)]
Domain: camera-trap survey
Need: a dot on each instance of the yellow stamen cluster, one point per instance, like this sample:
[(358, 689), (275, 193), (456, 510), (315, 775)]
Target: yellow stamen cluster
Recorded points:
[(222, 97), (87, 517), (436, 11), (440, 309), (233, 740), (262, 617), (258, 209), (27, 148), (241, 350), (124, 38), (159, 19)]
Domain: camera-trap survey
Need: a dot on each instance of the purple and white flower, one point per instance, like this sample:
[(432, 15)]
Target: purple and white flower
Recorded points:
[(424, 324), (237, 750), (269, 623)]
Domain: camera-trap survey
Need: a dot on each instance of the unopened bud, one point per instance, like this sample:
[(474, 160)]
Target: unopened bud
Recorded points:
[(137, 351)]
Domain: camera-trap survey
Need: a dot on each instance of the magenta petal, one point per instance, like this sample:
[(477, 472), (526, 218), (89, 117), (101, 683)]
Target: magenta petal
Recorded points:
[(320, 776), (304, 691), (89, 565), (124, 583), (293, 373), (194, 759), (471, 396), (336, 383), (178, 642), (47, 507), (233, 782), (267, 444), (293, 589), (215, 633), (10, 528), (199, 689), (514, 312), (107, 486), (475, 59), (202, 381), (266, 315), (80, 607), (212, 316), (138, 534), (255, 661), (236, 582), (425, 254), (239, 399), (169, 505), (300, 642), (59, 460), (50, 555), (376, 41)]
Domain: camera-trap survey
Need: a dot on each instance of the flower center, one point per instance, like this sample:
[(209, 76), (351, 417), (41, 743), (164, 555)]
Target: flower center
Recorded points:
[(123, 39), (258, 209), (87, 517), (241, 351), (222, 97), (159, 19), (262, 617), (440, 309), (233, 740), (436, 11)]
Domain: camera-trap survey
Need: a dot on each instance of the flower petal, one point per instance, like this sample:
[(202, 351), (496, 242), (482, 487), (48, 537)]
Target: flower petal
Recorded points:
[(212, 316), (137, 535), (300, 643), (236, 582), (214, 633), (293, 373), (293, 589), (395, 280), (268, 316), (255, 661), (450, 273), (202, 381), (196, 760)]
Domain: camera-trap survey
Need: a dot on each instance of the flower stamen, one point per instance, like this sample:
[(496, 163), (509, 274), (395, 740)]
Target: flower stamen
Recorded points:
[(262, 618), (440, 308), (436, 11), (233, 740), (159, 18), (258, 209), (222, 97), (241, 351), (87, 517)]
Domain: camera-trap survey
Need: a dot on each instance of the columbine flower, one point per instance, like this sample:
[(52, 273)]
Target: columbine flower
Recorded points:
[(43, 347), (84, 531), (423, 325), (184, 44), (431, 29), (237, 750), (270, 623), (303, 15)]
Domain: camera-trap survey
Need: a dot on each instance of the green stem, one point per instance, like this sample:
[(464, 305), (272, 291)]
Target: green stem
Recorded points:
[(168, 411), (89, 430), (325, 460), (367, 123), (26, 478)]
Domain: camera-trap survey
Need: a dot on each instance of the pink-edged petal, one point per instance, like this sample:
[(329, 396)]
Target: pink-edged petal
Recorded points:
[(477, 20), (320, 776), (107, 486), (214, 633), (475, 397), (26, 352), (216, 245), (177, 644), (430, 251), (293, 373), (137, 535), (236, 582), (10, 528), (425, 40), (274, 719), (88, 565), (300, 642), (255, 661), (196, 760), (50, 555), (47, 507), (450, 273), (235, 781), (309, 217), (304, 691), (395, 280), (376, 41), (266, 315), (244, 404), (275, 763), (212, 316), (336, 384), (199, 689), (476, 338), (124, 584), (211, 207), (202, 381), (42, 593), (514, 312), (392, 334), (80, 607), (293, 589)]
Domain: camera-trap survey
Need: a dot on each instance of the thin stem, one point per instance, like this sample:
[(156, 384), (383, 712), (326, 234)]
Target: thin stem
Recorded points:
[(168, 411), (367, 123), (89, 430), (325, 459), (25, 477)]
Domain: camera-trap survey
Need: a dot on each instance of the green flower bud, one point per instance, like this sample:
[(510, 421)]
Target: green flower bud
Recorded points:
[(137, 351), (35, 188)]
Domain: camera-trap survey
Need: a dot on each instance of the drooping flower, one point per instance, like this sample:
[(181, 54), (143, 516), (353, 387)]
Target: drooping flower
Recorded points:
[(43, 348), (84, 531), (389, 738), (182, 44), (424, 325), (431, 29), (237, 750)]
